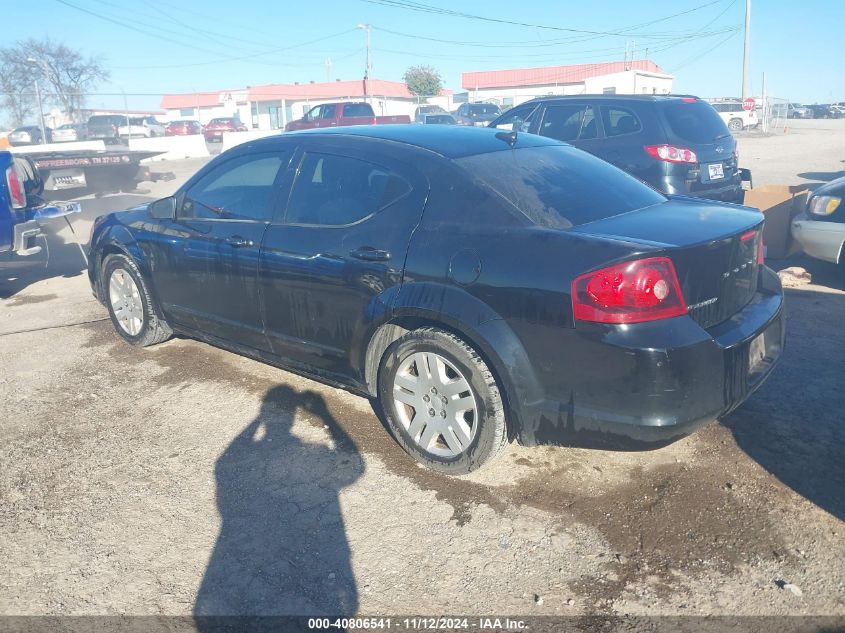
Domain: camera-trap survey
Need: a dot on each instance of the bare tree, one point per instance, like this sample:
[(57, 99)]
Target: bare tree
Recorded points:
[(67, 74), (16, 85)]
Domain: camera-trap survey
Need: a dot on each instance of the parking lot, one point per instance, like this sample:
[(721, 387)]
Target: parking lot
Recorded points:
[(165, 480)]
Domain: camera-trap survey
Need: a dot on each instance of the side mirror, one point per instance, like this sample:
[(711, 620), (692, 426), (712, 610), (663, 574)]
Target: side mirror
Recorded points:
[(164, 209)]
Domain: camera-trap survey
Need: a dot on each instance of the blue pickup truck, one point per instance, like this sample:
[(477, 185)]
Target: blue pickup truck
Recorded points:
[(21, 207), (20, 189)]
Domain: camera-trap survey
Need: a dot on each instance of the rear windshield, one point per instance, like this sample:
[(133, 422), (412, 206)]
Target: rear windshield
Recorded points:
[(357, 109), (484, 109), (106, 119), (220, 121), (696, 122), (559, 186)]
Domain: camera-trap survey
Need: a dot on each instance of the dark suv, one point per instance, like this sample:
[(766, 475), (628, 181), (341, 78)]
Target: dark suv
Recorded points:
[(106, 127), (677, 144)]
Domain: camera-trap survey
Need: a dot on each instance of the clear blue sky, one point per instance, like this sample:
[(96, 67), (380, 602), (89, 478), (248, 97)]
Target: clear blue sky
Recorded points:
[(181, 46)]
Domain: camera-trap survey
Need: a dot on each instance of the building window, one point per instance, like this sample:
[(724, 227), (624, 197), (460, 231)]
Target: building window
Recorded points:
[(186, 112), (609, 91)]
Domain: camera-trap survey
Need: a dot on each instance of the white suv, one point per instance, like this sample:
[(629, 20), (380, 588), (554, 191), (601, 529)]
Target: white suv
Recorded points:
[(734, 116)]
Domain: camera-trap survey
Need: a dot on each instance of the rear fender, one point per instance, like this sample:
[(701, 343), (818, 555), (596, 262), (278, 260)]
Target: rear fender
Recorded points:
[(453, 309)]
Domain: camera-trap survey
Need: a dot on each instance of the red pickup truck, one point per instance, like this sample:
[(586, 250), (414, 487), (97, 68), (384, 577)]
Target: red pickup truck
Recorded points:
[(340, 114)]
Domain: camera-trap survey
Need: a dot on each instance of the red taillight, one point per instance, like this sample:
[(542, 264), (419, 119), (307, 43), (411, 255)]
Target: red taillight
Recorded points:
[(16, 193), (750, 235), (641, 290), (671, 154)]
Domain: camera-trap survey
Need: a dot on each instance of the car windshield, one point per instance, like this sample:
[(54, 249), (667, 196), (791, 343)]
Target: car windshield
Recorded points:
[(221, 121), (559, 186), (694, 121)]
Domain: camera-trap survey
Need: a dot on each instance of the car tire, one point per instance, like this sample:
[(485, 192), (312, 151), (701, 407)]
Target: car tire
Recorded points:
[(131, 307), (455, 385), (735, 125)]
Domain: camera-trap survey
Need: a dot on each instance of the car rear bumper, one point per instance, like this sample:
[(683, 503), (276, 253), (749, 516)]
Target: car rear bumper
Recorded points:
[(819, 239), (663, 380), (726, 191)]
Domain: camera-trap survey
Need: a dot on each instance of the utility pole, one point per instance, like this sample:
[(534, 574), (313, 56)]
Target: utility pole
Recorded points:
[(34, 62), (746, 46), (40, 113), (328, 68), (368, 71)]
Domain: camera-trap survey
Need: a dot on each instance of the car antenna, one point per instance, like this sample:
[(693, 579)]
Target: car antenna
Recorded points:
[(507, 137)]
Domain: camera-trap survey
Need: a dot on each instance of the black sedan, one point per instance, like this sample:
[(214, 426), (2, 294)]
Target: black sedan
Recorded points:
[(481, 285)]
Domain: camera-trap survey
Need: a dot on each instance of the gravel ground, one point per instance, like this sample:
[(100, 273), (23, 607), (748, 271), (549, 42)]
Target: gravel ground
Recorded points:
[(182, 478)]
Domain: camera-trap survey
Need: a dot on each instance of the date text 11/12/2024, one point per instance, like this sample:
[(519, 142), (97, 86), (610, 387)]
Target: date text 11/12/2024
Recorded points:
[(417, 624)]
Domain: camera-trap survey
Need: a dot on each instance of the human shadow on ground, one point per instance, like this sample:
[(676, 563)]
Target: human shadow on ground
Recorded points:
[(282, 548)]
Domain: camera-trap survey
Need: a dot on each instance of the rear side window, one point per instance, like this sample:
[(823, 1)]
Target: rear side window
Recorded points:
[(239, 189), (696, 121), (618, 121), (569, 122), (335, 190), (558, 186), (357, 109)]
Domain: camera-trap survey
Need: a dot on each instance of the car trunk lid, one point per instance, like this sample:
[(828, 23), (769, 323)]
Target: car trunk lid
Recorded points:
[(713, 247)]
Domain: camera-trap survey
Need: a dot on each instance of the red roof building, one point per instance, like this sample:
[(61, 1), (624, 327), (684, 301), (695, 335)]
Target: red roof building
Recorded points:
[(511, 87), (270, 106), (552, 75)]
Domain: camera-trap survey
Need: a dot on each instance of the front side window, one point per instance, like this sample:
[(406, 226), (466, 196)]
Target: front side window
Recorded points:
[(569, 122), (239, 189), (518, 119), (618, 121), (335, 190)]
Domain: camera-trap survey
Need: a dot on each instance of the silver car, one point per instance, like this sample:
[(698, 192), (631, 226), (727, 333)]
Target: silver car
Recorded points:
[(70, 132), (28, 135)]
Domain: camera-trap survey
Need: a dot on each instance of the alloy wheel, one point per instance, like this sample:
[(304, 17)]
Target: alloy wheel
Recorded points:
[(126, 302)]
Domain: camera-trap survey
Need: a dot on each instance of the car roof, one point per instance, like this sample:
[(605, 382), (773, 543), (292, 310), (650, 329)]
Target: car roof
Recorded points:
[(447, 141), (616, 97)]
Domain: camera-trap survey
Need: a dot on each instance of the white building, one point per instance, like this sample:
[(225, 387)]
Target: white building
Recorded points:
[(272, 106), (204, 106), (512, 87)]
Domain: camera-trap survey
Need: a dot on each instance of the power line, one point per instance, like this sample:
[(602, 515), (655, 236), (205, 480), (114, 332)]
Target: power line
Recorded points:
[(243, 57), (571, 54), (132, 27), (521, 44), (252, 56), (413, 5)]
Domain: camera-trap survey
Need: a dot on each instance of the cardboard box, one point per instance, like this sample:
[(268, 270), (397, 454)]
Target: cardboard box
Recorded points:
[(779, 203)]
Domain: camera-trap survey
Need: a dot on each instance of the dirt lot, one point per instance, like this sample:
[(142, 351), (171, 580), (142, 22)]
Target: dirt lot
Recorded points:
[(182, 478)]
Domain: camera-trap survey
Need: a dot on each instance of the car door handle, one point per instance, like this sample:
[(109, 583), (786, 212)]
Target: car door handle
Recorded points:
[(370, 254), (236, 241)]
